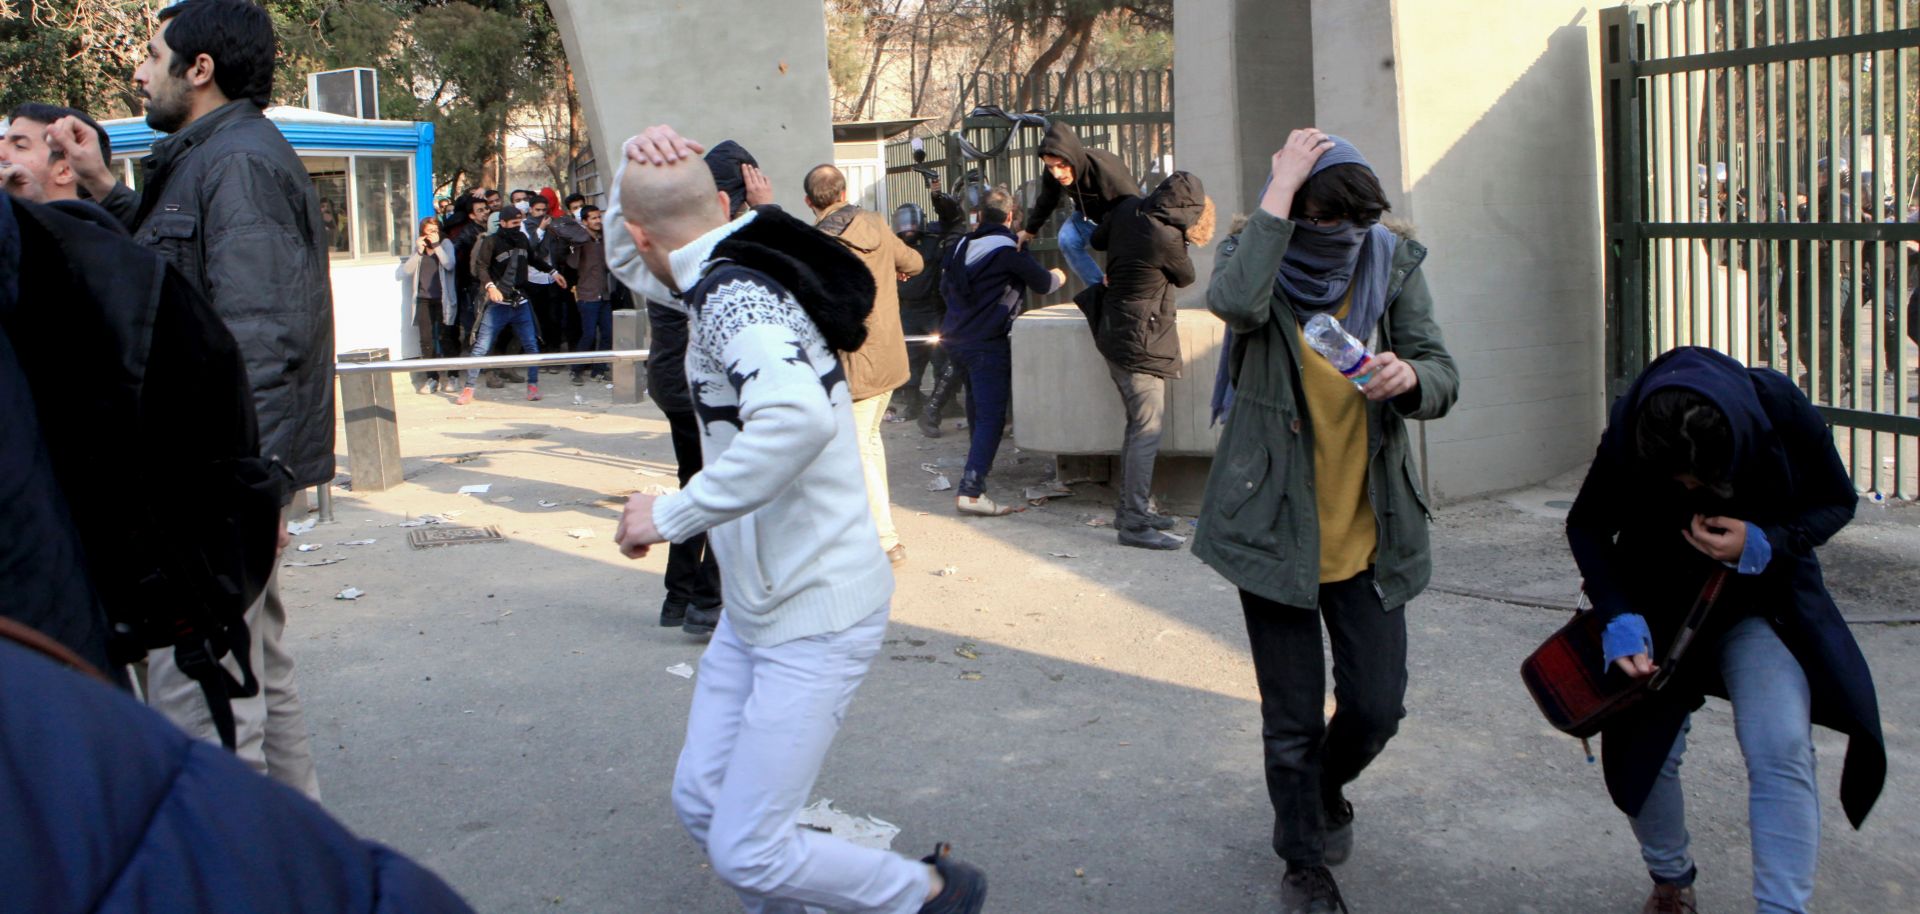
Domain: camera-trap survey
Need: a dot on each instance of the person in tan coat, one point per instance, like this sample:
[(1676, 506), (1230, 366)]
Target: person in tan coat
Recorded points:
[(879, 366)]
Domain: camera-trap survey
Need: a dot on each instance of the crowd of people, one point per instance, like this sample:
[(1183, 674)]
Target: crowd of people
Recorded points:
[(779, 349)]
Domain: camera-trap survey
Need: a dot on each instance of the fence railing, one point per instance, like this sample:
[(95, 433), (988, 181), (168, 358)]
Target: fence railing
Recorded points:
[(1126, 112), (1760, 200)]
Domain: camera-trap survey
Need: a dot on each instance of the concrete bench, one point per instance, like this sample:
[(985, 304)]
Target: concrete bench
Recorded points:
[(1064, 402)]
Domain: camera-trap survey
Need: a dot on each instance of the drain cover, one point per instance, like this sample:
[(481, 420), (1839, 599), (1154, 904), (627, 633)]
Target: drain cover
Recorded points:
[(442, 535)]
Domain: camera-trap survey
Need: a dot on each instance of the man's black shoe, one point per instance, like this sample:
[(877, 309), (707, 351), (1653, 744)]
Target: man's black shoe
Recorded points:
[(701, 621), (495, 381), (966, 884), (1311, 890), (1149, 538), (578, 380), (1339, 832), (1162, 522), (929, 424), (673, 615)]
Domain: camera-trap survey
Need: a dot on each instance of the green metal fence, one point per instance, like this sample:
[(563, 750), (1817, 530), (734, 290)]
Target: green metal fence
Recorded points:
[(1126, 112), (1760, 200)]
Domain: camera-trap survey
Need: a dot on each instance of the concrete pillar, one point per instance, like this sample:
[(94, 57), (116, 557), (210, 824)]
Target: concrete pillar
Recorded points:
[(745, 70), (629, 378), (373, 431), (1246, 79)]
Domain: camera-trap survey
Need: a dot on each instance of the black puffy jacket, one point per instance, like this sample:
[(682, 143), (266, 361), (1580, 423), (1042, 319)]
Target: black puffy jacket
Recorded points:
[(1146, 245), (1100, 179), (229, 204)]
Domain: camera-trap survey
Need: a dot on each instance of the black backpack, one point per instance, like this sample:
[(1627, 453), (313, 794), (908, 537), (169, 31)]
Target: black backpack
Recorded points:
[(147, 414)]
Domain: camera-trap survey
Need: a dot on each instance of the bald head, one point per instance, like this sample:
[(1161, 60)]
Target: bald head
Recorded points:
[(667, 207), (825, 186), (673, 203)]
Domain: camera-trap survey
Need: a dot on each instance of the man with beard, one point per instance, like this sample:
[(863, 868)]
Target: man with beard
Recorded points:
[(228, 203), (501, 261)]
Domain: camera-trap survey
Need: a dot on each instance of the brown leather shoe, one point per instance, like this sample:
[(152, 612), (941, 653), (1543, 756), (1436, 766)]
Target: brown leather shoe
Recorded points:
[(897, 555), (1670, 899)]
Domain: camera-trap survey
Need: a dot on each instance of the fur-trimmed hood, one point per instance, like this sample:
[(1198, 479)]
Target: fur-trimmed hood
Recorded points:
[(831, 283)]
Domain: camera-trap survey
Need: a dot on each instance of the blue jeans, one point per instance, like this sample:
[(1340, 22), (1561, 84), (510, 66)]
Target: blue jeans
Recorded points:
[(1075, 233), (520, 318), (989, 370), (596, 332), (1772, 709)]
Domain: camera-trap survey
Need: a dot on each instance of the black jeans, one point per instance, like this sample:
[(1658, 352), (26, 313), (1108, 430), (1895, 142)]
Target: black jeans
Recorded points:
[(1308, 758), (438, 339), (988, 368), (693, 575), (918, 322)]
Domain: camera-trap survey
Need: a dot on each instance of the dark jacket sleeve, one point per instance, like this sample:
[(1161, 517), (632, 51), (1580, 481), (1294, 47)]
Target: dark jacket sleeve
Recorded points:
[(1823, 494), (255, 248), (952, 218), (1102, 235), (1028, 270), (124, 203), (1415, 336), (1174, 259), (1595, 520), (1043, 206)]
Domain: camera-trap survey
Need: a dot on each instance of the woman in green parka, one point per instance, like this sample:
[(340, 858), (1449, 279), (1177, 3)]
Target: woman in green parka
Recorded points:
[(1313, 508)]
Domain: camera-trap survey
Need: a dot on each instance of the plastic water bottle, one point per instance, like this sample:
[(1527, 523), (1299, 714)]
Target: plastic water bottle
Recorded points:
[(1328, 338)]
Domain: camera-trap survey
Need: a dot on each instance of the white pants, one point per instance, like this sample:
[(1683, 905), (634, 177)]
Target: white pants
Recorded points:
[(270, 732), (761, 723), (868, 416)]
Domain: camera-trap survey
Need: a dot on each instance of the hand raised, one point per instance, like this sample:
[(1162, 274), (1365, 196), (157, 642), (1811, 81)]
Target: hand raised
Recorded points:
[(1289, 168), (661, 145), (759, 187)]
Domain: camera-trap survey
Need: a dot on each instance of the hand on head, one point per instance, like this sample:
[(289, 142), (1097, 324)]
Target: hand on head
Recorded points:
[(661, 145), (1291, 166), (71, 137)]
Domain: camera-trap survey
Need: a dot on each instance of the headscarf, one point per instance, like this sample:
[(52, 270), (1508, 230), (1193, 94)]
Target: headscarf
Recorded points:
[(1320, 266)]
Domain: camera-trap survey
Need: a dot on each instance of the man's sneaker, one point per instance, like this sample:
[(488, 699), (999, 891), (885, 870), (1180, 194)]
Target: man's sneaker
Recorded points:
[(533, 391), (578, 381), (1339, 832), (897, 556), (982, 506), (966, 885), (673, 615), (1311, 890), (466, 397), (1149, 538), (1670, 899), (701, 621), (495, 381)]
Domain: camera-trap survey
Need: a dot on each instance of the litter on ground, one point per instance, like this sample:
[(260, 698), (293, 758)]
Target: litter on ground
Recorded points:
[(350, 593), (681, 670), (480, 489), (865, 831)]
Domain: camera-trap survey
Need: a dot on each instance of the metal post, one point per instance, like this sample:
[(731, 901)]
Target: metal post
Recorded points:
[(323, 494), (373, 433)]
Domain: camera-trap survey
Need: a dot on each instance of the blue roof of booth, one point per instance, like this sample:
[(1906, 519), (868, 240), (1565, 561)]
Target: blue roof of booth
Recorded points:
[(304, 128)]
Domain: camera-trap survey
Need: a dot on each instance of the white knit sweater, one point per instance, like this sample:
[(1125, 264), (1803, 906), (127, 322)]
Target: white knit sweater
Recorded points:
[(782, 497)]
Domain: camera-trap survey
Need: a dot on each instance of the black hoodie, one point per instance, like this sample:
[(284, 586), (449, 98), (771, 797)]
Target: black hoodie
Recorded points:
[(1100, 179), (1146, 244)]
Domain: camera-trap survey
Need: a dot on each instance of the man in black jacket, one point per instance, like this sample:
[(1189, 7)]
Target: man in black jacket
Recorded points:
[(228, 203), (1133, 327), (921, 307), (502, 262), (1097, 181)]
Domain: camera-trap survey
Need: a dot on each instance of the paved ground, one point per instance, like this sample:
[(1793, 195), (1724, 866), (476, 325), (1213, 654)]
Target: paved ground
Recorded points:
[(503, 712)]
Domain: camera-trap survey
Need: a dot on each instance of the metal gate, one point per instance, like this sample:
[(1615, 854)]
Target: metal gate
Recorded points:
[(1760, 200)]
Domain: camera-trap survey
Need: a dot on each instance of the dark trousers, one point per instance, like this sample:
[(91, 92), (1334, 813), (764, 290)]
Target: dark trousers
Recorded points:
[(989, 370), (550, 304), (919, 355), (596, 332), (438, 339), (1308, 758), (693, 575), (1145, 397)]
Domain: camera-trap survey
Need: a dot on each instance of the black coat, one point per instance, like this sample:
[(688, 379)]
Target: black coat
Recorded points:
[(1146, 244), (1787, 479), (229, 204), (920, 293), (1100, 179), (667, 358)]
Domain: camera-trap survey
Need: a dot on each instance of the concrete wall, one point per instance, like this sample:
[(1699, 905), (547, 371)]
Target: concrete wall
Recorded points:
[(1480, 116), (744, 70), (1501, 151)]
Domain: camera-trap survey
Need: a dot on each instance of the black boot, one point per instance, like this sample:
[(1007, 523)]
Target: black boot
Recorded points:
[(943, 390)]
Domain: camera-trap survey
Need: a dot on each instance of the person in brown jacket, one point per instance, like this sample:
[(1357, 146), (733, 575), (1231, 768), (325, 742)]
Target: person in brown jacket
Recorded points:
[(880, 365)]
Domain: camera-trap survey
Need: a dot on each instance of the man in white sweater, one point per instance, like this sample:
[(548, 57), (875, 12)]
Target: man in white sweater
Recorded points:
[(783, 502)]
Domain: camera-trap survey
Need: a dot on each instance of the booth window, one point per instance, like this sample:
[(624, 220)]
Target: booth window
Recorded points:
[(330, 179), (385, 195)]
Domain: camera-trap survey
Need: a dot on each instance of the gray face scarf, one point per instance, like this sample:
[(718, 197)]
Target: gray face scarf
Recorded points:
[(1323, 264)]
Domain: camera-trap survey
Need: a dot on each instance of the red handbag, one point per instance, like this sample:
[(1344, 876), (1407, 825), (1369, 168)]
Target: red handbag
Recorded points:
[(1578, 692)]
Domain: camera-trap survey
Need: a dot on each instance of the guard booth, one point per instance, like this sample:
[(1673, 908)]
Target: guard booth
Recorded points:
[(375, 181), (860, 152)]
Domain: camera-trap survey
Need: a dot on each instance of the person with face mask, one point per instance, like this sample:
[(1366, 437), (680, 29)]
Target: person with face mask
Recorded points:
[(1313, 508), (921, 306), (502, 260)]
